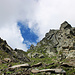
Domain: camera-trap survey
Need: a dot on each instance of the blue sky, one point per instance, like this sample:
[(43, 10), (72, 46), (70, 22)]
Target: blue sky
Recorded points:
[(25, 22), (29, 36)]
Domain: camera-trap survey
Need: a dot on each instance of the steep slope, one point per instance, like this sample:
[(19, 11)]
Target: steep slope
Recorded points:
[(56, 50), (7, 52), (53, 55), (60, 41)]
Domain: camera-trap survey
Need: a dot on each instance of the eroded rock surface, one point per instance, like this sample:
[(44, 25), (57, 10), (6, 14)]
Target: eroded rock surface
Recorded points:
[(60, 41)]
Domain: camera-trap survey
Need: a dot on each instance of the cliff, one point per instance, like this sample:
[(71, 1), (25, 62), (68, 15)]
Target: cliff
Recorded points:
[(60, 41)]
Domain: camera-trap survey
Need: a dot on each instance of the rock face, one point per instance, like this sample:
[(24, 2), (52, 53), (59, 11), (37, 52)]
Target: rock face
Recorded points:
[(35, 55), (8, 54), (4, 46), (47, 55), (21, 55), (65, 25), (60, 41)]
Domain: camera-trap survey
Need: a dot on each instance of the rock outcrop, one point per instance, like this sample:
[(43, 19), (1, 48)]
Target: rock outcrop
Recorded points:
[(60, 41), (7, 54)]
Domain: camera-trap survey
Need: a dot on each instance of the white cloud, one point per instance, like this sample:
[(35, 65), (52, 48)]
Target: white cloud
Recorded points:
[(51, 13), (12, 11), (42, 15), (13, 36)]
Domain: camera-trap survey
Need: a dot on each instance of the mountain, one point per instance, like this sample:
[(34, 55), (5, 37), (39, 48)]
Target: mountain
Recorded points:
[(53, 55), (60, 41), (56, 49), (7, 52)]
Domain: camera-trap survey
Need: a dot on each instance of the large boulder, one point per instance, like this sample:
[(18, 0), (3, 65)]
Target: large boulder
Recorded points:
[(19, 66), (56, 71), (7, 59)]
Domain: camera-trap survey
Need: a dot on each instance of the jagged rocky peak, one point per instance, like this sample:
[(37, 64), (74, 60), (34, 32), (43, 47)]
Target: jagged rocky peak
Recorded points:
[(65, 25), (57, 41)]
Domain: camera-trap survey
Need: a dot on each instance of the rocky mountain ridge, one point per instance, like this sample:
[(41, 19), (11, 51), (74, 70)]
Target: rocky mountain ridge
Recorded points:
[(53, 55), (60, 41)]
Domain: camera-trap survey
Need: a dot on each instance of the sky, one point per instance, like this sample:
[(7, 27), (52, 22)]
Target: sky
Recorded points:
[(25, 22)]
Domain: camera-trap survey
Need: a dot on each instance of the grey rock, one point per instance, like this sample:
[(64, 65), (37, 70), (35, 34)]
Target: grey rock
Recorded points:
[(20, 54), (37, 65), (32, 47), (19, 66), (1, 61), (72, 31), (58, 40), (35, 55), (58, 71), (41, 56), (30, 55), (51, 54), (65, 25), (7, 59)]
